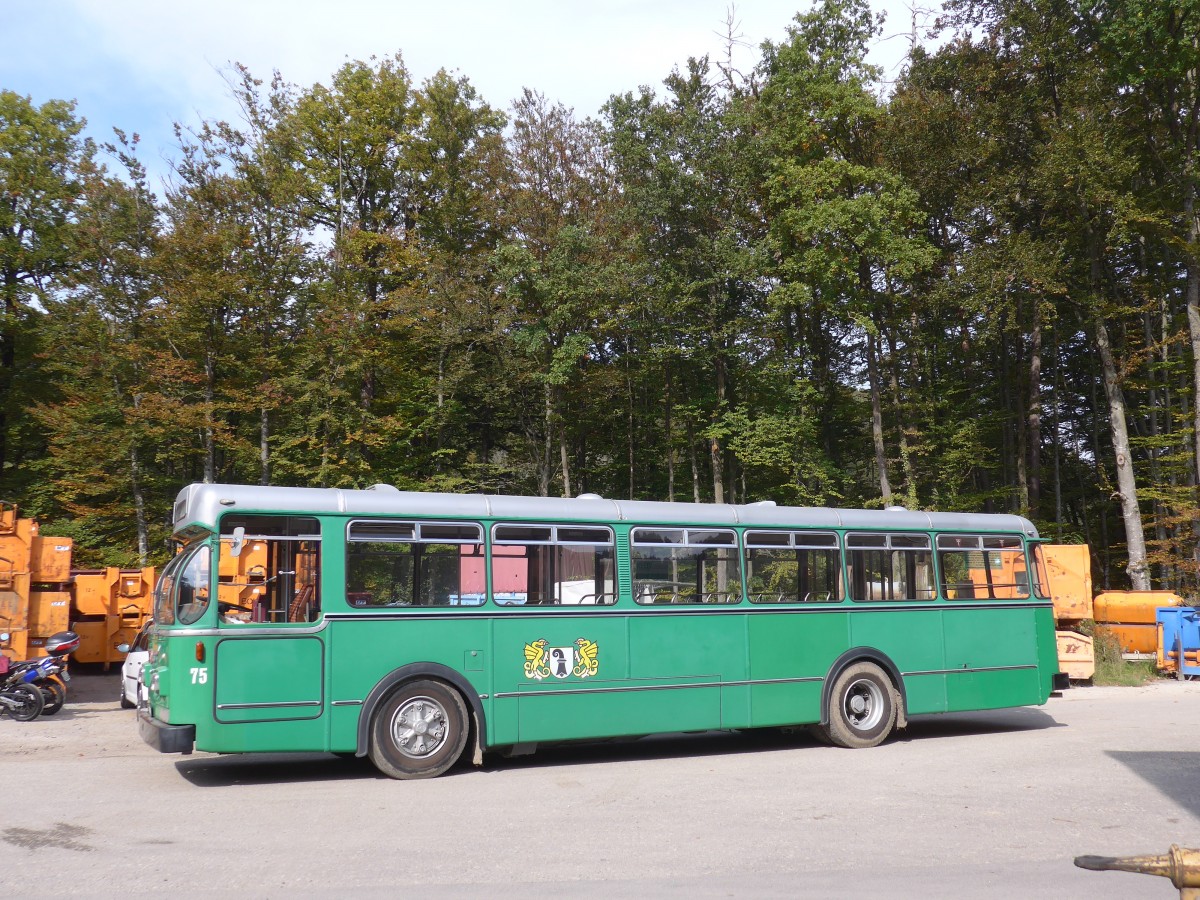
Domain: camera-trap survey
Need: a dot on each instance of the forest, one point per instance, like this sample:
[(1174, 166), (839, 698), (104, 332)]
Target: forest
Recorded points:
[(974, 288)]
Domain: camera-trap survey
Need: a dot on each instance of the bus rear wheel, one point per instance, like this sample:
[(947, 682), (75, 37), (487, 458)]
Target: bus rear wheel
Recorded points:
[(419, 731), (862, 707)]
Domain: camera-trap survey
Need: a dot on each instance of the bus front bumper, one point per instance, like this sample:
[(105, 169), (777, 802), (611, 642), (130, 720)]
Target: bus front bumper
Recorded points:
[(163, 737)]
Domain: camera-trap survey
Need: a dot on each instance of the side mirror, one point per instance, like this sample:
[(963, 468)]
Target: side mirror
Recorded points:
[(238, 542), (122, 648)]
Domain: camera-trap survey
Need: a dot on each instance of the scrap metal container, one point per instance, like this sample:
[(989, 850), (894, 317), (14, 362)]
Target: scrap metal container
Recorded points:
[(1076, 655), (1131, 617), (1178, 633), (16, 536), (49, 612), (50, 559), (1069, 571)]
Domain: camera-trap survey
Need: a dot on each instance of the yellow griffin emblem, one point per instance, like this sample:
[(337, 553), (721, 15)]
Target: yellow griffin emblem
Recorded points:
[(586, 655), (582, 658), (535, 660)]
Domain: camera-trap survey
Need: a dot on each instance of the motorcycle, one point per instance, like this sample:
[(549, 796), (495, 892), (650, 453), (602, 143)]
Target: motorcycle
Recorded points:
[(22, 701), (48, 674)]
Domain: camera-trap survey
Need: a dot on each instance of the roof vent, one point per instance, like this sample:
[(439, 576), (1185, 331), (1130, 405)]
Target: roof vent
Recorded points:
[(896, 509), (589, 497), (762, 503), (384, 488)]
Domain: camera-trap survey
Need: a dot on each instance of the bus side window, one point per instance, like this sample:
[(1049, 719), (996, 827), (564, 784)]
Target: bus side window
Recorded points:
[(552, 565), (693, 565), (887, 567), (982, 567)]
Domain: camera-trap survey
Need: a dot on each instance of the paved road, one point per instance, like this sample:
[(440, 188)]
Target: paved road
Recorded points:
[(986, 805)]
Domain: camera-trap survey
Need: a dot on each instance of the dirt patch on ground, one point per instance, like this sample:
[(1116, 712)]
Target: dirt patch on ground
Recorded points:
[(91, 723)]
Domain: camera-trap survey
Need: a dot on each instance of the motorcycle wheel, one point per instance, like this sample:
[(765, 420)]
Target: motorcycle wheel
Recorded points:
[(54, 696), (29, 700)]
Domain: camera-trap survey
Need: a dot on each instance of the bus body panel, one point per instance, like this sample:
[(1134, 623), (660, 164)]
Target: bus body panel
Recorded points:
[(269, 678), (991, 656), (366, 650), (545, 688), (912, 639), (790, 651), (694, 648)]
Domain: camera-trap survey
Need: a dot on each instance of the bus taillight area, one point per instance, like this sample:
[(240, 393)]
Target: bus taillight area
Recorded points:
[(163, 737)]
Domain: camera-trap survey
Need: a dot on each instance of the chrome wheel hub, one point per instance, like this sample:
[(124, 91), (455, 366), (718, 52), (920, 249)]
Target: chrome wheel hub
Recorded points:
[(864, 704), (419, 727)]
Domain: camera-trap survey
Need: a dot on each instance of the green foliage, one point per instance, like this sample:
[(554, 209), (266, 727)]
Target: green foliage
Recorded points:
[(788, 286), (1112, 669)]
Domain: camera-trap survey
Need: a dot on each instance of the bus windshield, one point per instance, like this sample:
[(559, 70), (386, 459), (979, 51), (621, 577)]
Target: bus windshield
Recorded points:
[(181, 595)]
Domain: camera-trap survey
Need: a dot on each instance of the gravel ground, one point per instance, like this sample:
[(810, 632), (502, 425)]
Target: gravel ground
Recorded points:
[(993, 804)]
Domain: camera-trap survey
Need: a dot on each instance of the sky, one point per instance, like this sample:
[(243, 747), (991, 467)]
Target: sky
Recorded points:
[(142, 65)]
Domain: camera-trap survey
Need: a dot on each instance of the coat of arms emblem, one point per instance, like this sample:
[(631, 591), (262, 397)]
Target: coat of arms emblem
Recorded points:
[(579, 659)]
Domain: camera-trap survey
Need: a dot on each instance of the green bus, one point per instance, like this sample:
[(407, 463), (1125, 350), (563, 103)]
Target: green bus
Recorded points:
[(413, 627)]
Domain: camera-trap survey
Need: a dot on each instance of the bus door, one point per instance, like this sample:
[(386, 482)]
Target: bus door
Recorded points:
[(891, 579), (559, 650), (269, 666), (991, 646), (687, 638)]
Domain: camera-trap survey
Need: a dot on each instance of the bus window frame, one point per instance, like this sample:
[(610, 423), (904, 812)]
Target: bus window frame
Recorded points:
[(417, 527), (886, 546), (553, 540), (686, 542), (1015, 544), (752, 540)]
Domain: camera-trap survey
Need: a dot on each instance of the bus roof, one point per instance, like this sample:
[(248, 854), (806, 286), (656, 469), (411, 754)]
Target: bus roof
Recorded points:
[(202, 504)]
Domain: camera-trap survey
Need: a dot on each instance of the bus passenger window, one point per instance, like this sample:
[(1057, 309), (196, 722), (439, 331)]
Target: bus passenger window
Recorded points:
[(982, 567), (889, 567), (793, 567), (685, 565), (552, 565), (275, 576), (398, 564)]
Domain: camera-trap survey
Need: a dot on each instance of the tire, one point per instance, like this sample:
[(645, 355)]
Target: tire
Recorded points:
[(54, 696), (126, 703), (862, 707), (419, 731), (30, 700)]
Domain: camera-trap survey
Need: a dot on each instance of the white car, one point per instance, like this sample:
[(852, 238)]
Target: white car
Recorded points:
[(136, 655)]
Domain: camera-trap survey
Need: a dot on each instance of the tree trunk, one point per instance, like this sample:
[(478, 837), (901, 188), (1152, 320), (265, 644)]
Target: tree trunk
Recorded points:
[(264, 446), (1192, 214), (210, 461), (8, 358), (669, 425), (1033, 435), (563, 456), (691, 436), (547, 443), (718, 466), (885, 488), (906, 467), (1126, 483), (139, 507)]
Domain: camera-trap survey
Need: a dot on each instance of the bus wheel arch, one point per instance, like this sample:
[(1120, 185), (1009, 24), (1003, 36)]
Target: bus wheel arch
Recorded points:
[(453, 699), (863, 700)]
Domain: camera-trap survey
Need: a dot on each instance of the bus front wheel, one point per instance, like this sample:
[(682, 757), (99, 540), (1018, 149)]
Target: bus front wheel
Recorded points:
[(862, 707), (419, 731)]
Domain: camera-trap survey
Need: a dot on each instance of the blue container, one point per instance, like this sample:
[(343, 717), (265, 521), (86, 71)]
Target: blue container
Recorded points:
[(1179, 639)]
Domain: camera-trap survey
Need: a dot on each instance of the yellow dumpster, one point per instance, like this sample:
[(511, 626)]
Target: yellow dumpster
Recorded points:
[(1130, 617)]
